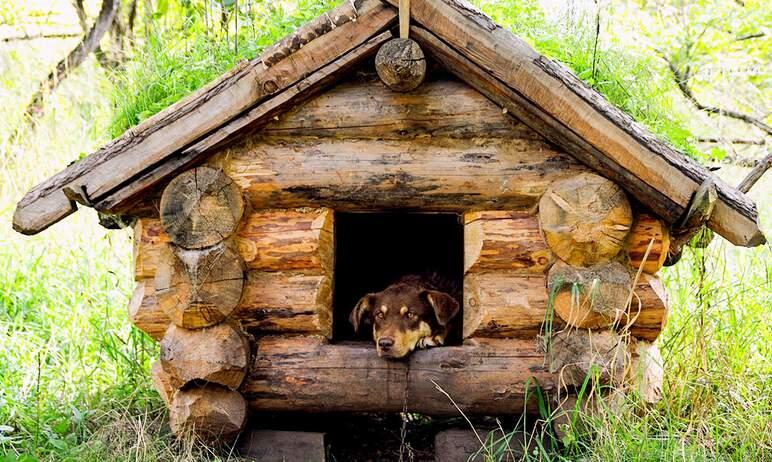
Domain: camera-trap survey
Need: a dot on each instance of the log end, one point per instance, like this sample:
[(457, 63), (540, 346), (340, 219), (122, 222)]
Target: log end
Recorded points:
[(401, 64), (212, 413)]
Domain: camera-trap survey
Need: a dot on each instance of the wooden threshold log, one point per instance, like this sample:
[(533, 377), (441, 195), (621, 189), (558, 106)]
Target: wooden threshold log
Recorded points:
[(304, 374), (505, 304), (647, 228), (440, 174), (219, 354), (504, 240), (561, 108), (156, 141), (585, 219)]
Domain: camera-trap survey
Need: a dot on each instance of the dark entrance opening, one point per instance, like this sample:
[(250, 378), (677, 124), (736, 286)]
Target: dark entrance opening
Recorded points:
[(373, 250)]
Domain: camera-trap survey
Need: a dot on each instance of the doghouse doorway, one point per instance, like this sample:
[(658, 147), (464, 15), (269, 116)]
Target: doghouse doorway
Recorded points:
[(372, 250)]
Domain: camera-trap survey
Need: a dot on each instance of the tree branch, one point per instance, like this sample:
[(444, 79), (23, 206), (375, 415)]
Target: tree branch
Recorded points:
[(76, 57), (755, 174), (682, 80)]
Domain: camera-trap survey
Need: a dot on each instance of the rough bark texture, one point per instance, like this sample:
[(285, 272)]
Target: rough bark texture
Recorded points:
[(504, 304), (305, 374), (201, 208), (211, 413), (504, 240), (428, 173), (401, 64), (645, 229), (218, 354), (199, 288), (585, 219), (590, 297), (162, 382), (573, 354)]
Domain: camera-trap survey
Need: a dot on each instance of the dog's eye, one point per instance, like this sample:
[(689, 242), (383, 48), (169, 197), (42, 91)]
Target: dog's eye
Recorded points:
[(410, 315), (379, 315)]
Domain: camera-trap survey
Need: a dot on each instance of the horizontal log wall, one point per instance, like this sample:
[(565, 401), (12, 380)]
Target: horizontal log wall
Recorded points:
[(305, 374), (288, 286)]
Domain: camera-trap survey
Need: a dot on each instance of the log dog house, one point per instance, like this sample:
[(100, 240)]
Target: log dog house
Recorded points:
[(464, 146)]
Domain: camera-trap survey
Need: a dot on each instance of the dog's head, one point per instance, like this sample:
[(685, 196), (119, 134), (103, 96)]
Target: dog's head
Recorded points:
[(401, 315)]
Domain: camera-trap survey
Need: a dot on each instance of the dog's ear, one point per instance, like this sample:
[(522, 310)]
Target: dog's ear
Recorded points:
[(364, 307), (445, 306)]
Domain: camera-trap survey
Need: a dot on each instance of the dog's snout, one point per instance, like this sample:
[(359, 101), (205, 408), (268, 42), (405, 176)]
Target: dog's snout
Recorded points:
[(385, 343)]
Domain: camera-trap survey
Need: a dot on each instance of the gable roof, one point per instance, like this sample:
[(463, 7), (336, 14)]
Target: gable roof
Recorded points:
[(538, 91)]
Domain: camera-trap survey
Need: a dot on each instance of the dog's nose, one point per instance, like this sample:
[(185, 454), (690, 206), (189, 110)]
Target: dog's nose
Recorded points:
[(385, 343)]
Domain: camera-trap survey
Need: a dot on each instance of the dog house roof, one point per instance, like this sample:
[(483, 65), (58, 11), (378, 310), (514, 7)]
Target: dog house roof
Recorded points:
[(540, 92)]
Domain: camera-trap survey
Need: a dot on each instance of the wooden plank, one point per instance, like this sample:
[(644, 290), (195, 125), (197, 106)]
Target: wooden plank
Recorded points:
[(149, 144), (305, 374), (250, 121), (553, 91), (435, 174), (282, 446)]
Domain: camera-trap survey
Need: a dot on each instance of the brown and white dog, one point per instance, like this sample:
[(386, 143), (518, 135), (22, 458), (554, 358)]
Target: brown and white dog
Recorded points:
[(411, 313)]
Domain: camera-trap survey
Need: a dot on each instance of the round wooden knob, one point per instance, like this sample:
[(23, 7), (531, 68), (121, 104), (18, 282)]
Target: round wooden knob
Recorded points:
[(201, 207), (401, 64)]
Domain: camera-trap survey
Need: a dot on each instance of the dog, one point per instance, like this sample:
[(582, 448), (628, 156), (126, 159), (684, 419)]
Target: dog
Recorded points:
[(410, 313)]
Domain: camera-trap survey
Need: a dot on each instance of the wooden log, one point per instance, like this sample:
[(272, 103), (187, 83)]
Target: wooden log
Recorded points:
[(267, 240), (305, 374), (504, 240), (644, 318), (437, 174), (211, 413), (645, 229), (505, 304), (574, 354), (646, 371), (144, 311), (287, 302), (647, 314), (401, 64), (201, 208), (199, 288), (590, 297), (286, 240), (217, 354), (360, 108), (162, 382), (149, 238), (585, 219)]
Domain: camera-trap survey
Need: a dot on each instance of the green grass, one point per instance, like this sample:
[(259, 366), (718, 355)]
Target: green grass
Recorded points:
[(74, 374)]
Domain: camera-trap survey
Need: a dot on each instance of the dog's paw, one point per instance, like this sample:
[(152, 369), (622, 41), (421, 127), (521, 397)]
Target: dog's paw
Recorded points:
[(428, 342)]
